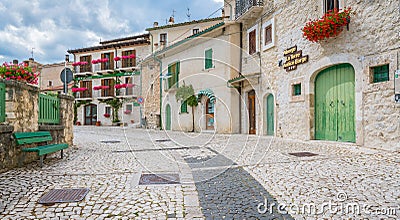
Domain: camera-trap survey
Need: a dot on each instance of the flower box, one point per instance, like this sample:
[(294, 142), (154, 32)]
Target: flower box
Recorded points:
[(127, 85), (330, 25), (79, 89), (80, 63), (106, 115), (104, 60), (127, 112), (100, 87)]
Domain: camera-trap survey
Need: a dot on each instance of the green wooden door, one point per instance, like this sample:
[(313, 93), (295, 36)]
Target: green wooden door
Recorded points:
[(335, 104), (168, 117), (270, 114)]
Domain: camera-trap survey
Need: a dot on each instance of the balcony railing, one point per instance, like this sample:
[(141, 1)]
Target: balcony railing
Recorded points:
[(243, 6)]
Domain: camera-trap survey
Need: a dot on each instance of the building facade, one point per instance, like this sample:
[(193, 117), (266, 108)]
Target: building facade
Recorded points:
[(107, 81), (162, 39), (341, 88)]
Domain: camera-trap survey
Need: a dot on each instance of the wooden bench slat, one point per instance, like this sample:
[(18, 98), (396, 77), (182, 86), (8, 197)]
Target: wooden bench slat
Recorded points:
[(21, 141)]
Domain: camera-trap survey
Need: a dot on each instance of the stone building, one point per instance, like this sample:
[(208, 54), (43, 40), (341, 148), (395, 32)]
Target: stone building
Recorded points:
[(49, 79), (341, 88), (164, 37), (108, 74)]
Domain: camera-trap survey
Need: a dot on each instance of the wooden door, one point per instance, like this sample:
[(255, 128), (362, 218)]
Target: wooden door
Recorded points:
[(335, 104), (209, 115), (90, 114), (252, 111), (168, 117), (270, 114)]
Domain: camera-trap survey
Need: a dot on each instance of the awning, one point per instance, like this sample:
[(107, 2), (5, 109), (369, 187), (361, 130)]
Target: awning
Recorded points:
[(207, 92), (241, 78)]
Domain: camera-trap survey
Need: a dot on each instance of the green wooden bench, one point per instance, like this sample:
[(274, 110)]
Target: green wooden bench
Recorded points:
[(39, 137)]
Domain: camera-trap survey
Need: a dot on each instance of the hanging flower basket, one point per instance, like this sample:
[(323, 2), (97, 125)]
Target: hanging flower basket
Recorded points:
[(80, 63), (106, 115), (330, 25), (79, 89), (127, 112), (100, 87), (19, 72)]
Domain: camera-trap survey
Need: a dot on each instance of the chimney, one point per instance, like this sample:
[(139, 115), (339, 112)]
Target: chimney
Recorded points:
[(171, 20), (223, 13), (31, 59), (15, 61), (155, 24)]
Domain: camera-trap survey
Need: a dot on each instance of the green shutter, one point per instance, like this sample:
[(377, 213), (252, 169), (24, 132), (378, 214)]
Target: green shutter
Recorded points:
[(208, 59), (270, 114), (296, 89), (2, 102), (178, 66), (184, 107), (170, 79)]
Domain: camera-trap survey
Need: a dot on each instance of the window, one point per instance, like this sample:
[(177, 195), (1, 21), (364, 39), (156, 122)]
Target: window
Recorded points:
[(50, 83), (173, 69), (163, 39), (129, 90), (196, 31), (128, 62), (296, 89), (380, 73), (184, 107), (107, 110), (268, 34), (110, 91), (109, 65), (128, 108), (208, 62), (330, 5), (252, 42), (88, 92), (87, 67)]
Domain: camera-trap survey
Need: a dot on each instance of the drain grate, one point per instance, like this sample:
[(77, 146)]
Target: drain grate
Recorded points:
[(153, 179), (303, 154), (110, 142), (63, 195), (162, 140)]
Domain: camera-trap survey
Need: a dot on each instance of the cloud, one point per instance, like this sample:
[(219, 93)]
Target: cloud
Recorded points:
[(52, 27)]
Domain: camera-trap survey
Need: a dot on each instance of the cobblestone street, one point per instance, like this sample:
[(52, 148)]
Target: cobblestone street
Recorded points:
[(220, 176)]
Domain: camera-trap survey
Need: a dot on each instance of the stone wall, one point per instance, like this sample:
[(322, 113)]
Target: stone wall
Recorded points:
[(151, 92), (22, 116), (371, 40)]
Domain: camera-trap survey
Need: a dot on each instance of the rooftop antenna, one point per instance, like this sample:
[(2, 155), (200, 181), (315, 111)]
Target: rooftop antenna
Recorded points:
[(32, 52), (173, 13), (188, 13)]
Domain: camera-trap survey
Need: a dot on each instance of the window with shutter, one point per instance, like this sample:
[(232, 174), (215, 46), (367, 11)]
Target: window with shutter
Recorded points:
[(173, 69), (87, 67), (380, 73), (252, 42), (110, 91), (330, 5), (184, 107), (131, 62), (268, 35), (208, 63)]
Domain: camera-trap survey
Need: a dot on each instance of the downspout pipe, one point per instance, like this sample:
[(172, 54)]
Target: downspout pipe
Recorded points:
[(230, 10)]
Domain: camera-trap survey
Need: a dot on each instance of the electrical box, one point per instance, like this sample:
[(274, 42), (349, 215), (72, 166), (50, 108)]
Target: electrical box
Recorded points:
[(397, 86)]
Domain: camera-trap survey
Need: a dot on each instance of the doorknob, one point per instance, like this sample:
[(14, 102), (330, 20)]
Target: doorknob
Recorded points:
[(331, 104)]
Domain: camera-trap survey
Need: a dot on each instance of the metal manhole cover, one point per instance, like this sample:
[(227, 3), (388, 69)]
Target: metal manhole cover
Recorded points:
[(163, 140), (152, 179), (303, 154), (64, 195), (110, 142)]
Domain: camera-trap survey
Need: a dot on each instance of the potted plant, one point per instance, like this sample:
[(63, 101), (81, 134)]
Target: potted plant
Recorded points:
[(127, 112), (330, 25), (78, 123), (106, 115), (98, 123), (19, 72)]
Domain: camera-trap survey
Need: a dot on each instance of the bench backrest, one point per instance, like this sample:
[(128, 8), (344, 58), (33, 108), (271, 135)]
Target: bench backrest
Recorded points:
[(32, 137)]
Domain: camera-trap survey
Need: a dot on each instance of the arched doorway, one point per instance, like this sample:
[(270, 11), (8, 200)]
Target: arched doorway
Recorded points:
[(252, 111), (270, 114), (168, 117), (210, 108), (335, 104), (90, 114)]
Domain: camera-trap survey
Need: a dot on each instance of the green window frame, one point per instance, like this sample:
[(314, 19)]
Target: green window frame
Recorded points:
[(297, 89), (380, 73), (184, 108), (2, 102), (208, 59), (173, 69)]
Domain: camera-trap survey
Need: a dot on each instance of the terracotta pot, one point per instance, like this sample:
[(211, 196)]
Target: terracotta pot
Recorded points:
[(98, 123)]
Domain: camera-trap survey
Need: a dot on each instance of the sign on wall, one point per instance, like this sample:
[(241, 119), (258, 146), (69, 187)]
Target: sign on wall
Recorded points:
[(293, 57)]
